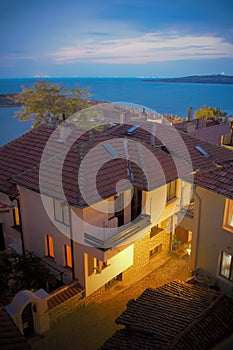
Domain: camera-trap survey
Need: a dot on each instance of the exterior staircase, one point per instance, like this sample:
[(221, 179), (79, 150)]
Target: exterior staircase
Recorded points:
[(65, 293)]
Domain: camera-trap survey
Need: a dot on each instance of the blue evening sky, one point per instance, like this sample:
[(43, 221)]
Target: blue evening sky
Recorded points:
[(115, 38)]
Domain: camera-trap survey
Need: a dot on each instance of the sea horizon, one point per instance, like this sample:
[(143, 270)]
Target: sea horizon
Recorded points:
[(162, 97)]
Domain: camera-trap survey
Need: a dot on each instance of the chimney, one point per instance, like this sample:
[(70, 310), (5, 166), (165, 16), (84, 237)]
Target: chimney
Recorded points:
[(153, 134), (64, 132), (122, 118), (190, 113)]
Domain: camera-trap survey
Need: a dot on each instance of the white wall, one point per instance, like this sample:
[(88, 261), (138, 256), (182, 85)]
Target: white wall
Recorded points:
[(117, 264), (36, 224), (212, 238)]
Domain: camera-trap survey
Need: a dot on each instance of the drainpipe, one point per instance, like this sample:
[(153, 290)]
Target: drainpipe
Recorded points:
[(71, 244), (198, 226)]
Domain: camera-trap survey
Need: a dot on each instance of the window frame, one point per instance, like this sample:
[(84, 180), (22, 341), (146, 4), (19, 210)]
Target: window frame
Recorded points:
[(230, 278), (67, 257), (170, 196), (228, 215), (64, 215), (50, 249), (16, 217)]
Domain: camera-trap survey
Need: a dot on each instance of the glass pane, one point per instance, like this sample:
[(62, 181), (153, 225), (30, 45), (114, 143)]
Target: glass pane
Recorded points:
[(225, 266), (231, 220), (68, 256), (50, 247), (58, 211), (171, 190), (66, 216), (16, 215)]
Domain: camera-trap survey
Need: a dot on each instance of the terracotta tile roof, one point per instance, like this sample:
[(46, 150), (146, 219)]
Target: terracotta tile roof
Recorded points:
[(213, 134), (20, 161), (21, 155), (174, 316), (10, 336), (219, 180)]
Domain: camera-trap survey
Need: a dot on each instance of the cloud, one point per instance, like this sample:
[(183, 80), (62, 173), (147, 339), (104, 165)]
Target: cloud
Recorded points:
[(145, 48)]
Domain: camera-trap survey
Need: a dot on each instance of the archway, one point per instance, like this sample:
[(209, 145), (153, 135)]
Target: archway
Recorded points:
[(28, 321)]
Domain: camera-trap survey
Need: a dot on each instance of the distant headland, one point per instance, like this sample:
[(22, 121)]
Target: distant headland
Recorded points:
[(6, 101), (202, 79)]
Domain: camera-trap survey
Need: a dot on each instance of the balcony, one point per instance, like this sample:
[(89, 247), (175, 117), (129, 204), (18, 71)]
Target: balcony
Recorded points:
[(118, 235)]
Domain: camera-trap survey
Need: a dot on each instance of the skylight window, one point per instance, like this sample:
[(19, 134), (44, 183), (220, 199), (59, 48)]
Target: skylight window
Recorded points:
[(202, 151), (111, 151), (132, 129)]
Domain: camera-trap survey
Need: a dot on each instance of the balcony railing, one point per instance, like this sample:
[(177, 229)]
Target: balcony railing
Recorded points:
[(120, 235)]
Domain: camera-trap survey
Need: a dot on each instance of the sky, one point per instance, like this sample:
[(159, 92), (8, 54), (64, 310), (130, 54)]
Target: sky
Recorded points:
[(115, 38)]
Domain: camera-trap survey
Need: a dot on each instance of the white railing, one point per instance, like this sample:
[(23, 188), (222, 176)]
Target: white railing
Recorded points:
[(110, 237)]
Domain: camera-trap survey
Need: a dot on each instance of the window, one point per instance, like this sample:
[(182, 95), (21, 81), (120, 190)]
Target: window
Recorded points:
[(226, 267), (228, 217), (68, 256), (156, 250), (61, 212), (171, 190), (50, 246), (16, 216)]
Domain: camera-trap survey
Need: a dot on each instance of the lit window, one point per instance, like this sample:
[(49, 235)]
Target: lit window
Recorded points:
[(68, 256), (16, 216), (61, 212), (228, 217), (226, 268), (50, 246), (171, 190)]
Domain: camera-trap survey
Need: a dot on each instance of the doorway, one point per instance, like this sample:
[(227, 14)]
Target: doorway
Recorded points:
[(136, 203), (119, 209), (2, 239), (28, 322)]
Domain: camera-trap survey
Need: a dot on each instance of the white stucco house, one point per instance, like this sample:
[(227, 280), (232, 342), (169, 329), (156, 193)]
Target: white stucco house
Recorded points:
[(103, 204)]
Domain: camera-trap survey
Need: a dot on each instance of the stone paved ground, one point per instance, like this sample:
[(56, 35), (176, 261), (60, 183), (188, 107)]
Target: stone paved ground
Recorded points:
[(88, 327)]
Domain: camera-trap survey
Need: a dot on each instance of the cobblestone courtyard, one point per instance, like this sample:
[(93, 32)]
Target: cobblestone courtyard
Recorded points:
[(88, 327)]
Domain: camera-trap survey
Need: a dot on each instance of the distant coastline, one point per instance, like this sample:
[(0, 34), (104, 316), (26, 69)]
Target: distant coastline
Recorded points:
[(6, 101), (202, 79)]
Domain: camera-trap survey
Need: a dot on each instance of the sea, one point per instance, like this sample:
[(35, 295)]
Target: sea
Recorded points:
[(162, 97)]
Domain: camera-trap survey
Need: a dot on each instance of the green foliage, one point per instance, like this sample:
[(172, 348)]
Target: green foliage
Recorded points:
[(44, 99), (209, 113), (18, 272)]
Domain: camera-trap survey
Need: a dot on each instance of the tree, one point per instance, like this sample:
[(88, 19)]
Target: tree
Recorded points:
[(44, 100), (209, 113)]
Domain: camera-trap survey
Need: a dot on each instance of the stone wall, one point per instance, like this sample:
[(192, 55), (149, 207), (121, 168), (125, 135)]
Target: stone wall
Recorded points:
[(152, 249)]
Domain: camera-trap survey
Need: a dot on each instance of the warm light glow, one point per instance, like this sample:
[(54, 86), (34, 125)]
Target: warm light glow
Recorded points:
[(50, 246), (68, 254), (189, 251), (16, 216)]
